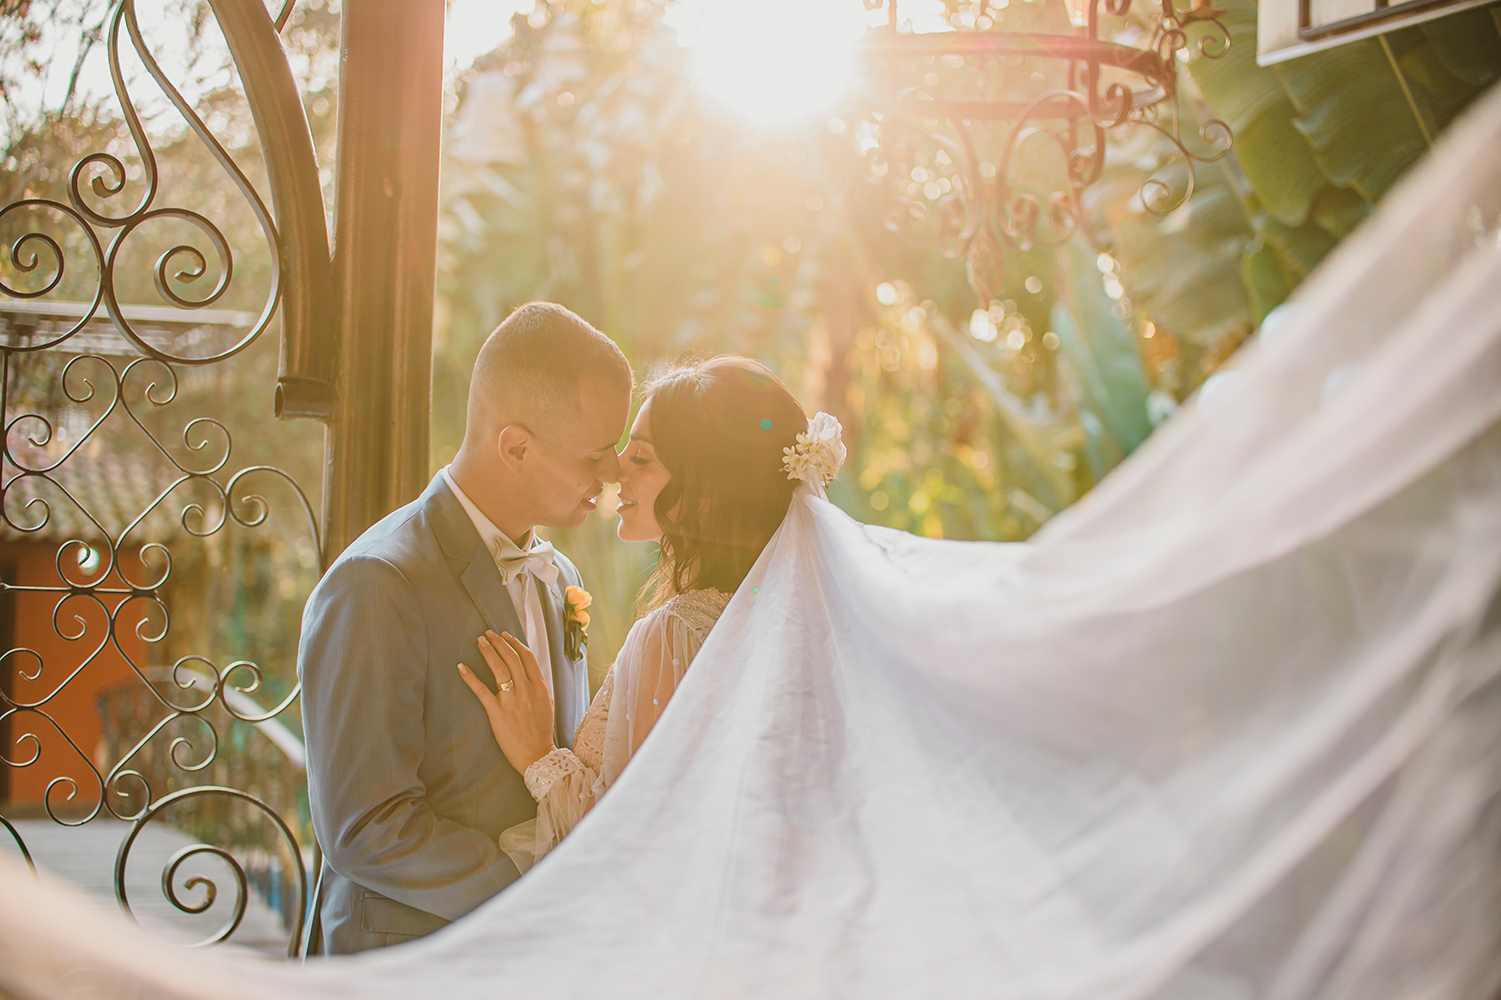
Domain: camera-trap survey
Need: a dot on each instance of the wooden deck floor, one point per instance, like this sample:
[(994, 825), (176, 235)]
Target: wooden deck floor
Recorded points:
[(85, 856)]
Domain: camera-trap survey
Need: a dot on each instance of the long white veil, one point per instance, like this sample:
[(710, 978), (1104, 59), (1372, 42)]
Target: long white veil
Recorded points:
[(1229, 729)]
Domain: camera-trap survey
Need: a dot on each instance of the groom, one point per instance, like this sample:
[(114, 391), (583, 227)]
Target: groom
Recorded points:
[(408, 788)]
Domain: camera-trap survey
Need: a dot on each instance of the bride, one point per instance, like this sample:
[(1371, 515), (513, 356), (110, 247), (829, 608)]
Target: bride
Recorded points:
[(714, 455)]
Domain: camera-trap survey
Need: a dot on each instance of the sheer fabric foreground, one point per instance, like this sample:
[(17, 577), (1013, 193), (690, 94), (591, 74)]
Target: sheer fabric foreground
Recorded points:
[(1230, 729)]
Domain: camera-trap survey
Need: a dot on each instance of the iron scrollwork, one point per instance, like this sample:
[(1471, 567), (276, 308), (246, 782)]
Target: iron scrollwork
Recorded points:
[(170, 873), (954, 157), (106, 175), (96, 381), (20, 843)]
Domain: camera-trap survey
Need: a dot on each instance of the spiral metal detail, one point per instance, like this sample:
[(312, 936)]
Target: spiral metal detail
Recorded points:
[(100, 177), (20, 843), (210, 888)]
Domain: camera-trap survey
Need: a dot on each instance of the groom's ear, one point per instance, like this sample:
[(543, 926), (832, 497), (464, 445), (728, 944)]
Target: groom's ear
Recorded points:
[(512, 445)]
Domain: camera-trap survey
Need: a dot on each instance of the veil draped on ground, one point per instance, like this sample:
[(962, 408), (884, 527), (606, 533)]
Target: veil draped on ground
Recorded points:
[(1228, 729)]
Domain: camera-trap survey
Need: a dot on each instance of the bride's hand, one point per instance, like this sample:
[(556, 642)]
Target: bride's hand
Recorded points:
[(521, 711)]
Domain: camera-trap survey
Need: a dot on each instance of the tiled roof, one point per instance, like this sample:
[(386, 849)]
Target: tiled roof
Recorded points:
[(110, 480), (111, 488), (189, 333)]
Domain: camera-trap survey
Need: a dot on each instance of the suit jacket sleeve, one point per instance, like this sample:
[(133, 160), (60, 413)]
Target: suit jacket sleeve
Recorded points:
[(363, 661)]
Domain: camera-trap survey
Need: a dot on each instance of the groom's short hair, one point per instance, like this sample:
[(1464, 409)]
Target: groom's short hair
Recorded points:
[(530, 369)]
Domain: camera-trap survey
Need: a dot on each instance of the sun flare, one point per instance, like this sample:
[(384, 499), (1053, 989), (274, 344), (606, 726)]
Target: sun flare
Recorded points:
[(771, 61)]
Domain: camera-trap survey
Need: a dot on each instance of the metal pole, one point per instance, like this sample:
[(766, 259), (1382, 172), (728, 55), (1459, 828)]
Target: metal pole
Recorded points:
[(309, 353), (385, 260)]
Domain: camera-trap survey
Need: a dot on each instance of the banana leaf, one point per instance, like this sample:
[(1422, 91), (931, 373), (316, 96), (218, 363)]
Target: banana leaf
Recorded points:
[(1468, 44), (1278, 163), (1354, 116), (1100, 351)]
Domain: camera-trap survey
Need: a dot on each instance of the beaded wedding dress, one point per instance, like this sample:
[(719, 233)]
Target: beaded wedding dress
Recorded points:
[(1229, 729)]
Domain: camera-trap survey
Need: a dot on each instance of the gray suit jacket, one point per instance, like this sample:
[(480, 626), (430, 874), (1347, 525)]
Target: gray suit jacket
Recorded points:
[(408, 788)]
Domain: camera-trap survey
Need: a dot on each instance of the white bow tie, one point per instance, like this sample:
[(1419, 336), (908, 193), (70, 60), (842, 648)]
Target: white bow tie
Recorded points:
[(537, 561)]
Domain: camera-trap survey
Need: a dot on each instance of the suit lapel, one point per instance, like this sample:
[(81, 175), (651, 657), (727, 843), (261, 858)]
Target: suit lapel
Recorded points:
[(490, 596), (562, 668), (472, 564)]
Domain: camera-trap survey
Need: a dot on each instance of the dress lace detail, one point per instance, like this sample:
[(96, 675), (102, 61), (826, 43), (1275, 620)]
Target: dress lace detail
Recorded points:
[(589, 741), (545, 772), (697, 609)]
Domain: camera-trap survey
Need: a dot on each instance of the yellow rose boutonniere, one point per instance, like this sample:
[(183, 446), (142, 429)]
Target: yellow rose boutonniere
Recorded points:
[(575, 621)]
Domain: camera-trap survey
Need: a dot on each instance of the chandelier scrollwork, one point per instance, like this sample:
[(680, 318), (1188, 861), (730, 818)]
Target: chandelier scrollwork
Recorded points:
[(984, 139)]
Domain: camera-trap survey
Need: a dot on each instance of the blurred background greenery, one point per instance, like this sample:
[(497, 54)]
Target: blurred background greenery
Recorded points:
[(582, 165)]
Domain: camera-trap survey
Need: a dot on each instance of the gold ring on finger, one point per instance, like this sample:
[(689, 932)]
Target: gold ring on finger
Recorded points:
[(507, 685)]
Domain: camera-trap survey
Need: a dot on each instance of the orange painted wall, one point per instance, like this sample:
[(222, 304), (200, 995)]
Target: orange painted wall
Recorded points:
[(73, 707)]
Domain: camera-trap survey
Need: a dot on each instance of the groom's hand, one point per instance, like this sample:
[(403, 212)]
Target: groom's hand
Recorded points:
[(520, 712)]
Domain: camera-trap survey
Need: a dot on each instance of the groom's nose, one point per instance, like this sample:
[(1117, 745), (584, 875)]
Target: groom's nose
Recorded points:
[(609, 468)]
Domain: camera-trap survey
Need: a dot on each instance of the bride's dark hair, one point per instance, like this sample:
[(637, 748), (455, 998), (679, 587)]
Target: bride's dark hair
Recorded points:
[(718, 427)]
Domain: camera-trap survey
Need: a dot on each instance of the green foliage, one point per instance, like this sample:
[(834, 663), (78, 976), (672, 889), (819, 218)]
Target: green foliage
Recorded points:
[(1102, 353), (44, 144), (29, 37), (1277, 163), (582, 166)]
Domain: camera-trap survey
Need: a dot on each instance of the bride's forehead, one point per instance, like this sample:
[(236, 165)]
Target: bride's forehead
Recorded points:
[(642, 425)]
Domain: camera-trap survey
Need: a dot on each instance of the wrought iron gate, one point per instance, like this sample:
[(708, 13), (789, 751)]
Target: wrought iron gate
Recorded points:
[(138, 496)]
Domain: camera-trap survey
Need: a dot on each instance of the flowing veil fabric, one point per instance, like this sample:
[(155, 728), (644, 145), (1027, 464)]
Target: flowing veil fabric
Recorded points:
[(1229, 729)]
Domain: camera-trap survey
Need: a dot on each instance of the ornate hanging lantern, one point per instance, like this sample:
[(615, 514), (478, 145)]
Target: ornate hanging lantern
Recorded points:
[(987, 139)]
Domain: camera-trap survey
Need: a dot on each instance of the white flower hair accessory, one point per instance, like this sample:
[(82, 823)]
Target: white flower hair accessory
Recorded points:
[(819, 451)]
